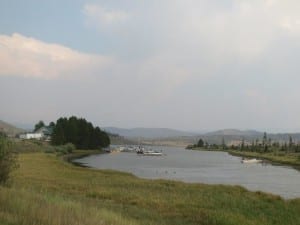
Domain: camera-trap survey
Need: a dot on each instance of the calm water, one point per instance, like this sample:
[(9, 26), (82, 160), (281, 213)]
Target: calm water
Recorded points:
[(202, 167)]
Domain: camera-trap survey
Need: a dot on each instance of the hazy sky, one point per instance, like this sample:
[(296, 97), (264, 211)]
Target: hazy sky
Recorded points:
[(185, 64)]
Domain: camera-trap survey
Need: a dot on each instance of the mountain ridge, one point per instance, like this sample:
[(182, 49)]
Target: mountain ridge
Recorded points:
[(148, 132), (234, 132)]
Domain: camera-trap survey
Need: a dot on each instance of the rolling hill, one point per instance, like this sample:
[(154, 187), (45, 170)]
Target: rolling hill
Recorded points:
[(148, 133), (9, 129)]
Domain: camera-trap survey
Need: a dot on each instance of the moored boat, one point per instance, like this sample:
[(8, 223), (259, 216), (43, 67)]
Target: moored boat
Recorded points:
[(152, 153), (143, 151), (251, 161)]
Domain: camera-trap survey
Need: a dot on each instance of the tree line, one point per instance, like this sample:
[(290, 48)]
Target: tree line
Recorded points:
[(264, 144), (79, 132)]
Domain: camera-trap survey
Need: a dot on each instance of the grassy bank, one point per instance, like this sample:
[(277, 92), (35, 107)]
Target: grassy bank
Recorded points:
[(292, 159), (47, 190)]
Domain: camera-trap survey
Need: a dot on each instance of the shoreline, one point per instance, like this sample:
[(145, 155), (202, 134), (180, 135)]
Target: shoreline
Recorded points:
[(274, 160), (78, 154), (284, 160)]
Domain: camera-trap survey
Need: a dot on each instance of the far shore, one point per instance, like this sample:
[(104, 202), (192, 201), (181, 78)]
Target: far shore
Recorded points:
[(276, 158)]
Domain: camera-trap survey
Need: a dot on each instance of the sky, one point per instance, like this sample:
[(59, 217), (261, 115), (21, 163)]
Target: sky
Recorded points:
[(184, 64)]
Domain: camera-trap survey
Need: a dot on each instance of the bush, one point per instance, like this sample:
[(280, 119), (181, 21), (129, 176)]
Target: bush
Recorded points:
[(64, 149), (7, 159), (69, 147)]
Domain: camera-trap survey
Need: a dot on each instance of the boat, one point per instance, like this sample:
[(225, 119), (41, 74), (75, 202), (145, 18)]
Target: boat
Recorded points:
[(126, 149), (251, 161), (152, 153), (143, 151), (140, 150)]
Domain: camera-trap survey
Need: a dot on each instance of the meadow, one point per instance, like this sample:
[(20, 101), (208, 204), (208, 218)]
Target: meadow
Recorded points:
[(45, 189)]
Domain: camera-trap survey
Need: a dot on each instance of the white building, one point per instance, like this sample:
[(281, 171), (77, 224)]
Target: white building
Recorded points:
[(32, 136)]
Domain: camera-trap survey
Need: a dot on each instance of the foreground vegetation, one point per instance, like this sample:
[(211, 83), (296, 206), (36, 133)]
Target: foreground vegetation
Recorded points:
[(47, 190), (7, 159)]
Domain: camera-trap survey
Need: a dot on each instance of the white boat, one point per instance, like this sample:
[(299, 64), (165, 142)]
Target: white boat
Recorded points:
[(251, 161), (152, 153), (143, 151), (127, 149)]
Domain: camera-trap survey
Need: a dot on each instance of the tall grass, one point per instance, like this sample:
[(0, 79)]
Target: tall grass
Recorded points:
[(47, 190), (290, 158), (28, 207)]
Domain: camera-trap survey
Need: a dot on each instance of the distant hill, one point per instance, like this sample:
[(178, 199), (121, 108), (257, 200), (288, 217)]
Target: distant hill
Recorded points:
[(231, 135), (9, 129), (148, 133), (120, 140), (165, 136), (234, 132)]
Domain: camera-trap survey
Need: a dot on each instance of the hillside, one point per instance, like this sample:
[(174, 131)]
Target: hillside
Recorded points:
[(148, 133), (9, 129), (234, 132)]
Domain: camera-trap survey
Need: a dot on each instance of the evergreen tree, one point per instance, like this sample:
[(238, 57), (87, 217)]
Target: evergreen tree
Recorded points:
[(200, 143), (51, 125), (223, 143), (243, 144), (291, 142), (80, 133), (265, 138), (39, 125)]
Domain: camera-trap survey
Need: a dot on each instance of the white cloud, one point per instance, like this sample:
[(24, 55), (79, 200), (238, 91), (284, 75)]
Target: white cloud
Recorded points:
[(29, 57), (98, 15)]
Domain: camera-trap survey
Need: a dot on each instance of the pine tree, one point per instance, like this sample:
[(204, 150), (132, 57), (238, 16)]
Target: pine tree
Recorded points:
[(200, 143), (80, 133)]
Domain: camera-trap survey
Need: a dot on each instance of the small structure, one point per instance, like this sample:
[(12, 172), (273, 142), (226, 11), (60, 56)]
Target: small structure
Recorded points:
[(27, 136), (44, 133)]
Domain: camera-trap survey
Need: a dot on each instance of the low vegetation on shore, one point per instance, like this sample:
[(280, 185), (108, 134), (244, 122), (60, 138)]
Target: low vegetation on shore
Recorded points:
[(45, 189), (283, 153)]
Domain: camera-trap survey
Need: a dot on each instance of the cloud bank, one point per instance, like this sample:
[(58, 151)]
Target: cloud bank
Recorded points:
[(29, 57), (172, 63)]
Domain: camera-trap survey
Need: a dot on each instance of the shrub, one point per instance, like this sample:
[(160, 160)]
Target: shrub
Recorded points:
[(49, 149), (69, 147), (64, 149), (7, 159)]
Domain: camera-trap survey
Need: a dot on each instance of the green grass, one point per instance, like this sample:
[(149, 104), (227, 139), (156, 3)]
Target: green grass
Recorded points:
[(289, 158), (47, 190)]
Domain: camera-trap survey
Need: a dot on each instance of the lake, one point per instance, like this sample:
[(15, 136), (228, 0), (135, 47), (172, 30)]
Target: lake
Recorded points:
[(202, 167)]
